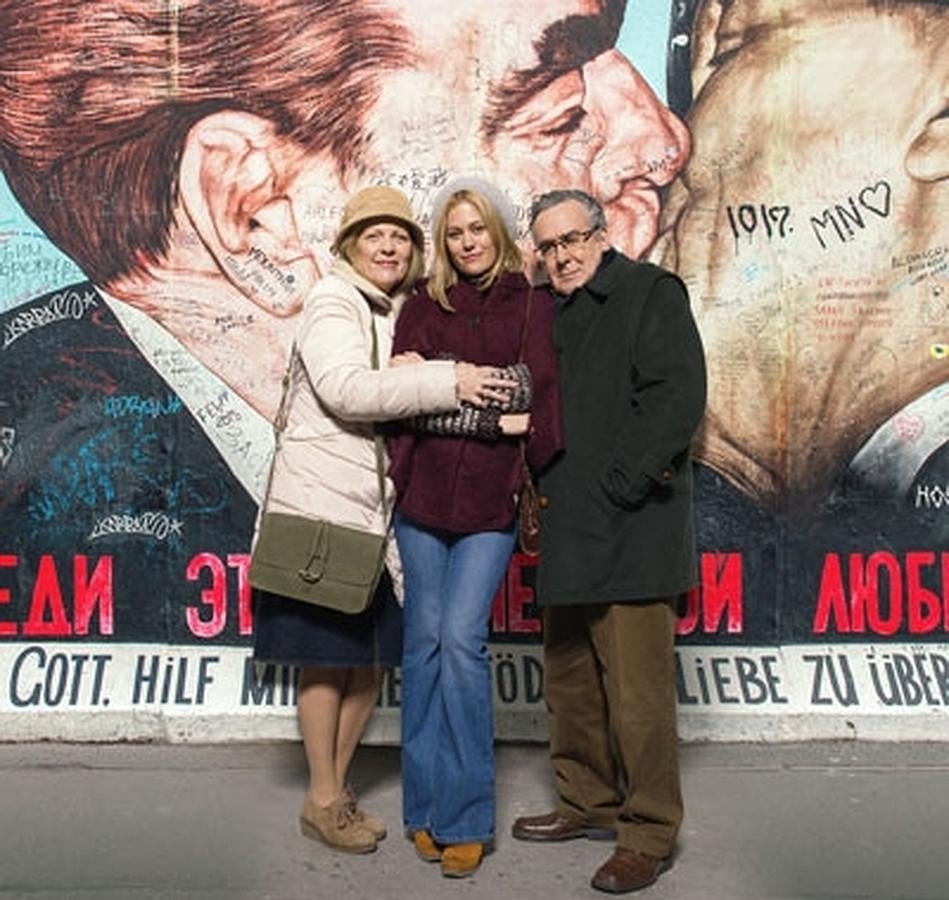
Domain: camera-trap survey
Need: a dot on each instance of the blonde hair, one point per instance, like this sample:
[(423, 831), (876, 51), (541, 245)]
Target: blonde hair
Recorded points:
[(345, 247), (444, 275)]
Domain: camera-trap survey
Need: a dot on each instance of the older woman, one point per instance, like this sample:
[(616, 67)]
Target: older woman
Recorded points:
[(457, 478), (326, 468)]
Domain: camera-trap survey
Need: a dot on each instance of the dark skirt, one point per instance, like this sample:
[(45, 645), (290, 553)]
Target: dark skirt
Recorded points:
[(300, 634)]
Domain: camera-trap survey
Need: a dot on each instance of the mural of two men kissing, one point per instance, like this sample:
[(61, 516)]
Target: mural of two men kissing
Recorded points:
[(176, 171)]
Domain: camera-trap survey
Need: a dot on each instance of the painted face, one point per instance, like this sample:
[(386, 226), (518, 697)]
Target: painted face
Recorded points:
[(470, 246), (815, 176), (381, 254), (570, 248), (531, 96)]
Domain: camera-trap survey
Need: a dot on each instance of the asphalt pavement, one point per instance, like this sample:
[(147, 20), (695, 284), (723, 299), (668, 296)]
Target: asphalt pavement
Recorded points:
[(816, 820)]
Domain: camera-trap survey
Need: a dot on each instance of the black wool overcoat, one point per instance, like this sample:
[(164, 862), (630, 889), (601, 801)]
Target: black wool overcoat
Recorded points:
[(618, 526)]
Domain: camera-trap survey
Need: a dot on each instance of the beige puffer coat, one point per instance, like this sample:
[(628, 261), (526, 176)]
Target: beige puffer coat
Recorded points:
[(326, 463)]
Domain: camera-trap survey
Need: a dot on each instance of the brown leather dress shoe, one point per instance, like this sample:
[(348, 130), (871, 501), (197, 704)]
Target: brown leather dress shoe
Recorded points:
[(628, 870), (555, 826)]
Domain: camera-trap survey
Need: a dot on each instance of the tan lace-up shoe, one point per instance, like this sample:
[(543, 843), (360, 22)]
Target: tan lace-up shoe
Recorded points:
[(371, 823), (335, 827), (461, 860)]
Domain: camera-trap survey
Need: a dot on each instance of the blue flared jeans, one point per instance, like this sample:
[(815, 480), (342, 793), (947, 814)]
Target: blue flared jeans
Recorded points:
[(447, 718)]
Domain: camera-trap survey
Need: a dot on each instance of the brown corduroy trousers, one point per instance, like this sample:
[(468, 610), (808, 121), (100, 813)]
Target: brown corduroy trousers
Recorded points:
[(609, 684)]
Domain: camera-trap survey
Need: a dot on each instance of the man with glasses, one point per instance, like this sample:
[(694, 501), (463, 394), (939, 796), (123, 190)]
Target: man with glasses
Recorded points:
[(617, 542)]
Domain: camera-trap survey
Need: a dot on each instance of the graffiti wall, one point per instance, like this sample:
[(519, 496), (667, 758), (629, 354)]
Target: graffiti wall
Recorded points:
[(173, 173)]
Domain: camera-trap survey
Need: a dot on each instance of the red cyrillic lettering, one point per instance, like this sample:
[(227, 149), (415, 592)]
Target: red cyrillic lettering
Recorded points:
[(47, 615), (92, 593), (214, 596)]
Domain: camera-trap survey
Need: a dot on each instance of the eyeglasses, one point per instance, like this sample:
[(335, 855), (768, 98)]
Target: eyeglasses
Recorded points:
[(567, 241)]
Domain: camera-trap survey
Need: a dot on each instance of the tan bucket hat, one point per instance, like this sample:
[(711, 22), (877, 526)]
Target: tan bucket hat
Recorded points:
[(378, 202)]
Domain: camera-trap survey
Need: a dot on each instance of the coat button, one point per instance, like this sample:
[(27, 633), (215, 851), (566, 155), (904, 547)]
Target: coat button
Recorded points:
[(543, 502), (667, 474)]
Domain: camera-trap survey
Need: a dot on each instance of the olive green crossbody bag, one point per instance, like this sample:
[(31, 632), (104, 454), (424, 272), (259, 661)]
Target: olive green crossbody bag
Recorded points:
[(313, 560)]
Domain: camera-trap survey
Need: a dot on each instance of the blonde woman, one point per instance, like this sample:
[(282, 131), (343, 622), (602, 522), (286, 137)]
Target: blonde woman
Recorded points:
[(457, 479)]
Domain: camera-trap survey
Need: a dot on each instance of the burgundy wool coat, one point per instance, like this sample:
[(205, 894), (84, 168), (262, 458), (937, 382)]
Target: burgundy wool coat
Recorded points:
[(465, 485)]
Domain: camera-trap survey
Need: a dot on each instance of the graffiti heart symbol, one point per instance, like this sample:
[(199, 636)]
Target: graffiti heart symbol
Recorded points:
[(881, 190), (753, 321)]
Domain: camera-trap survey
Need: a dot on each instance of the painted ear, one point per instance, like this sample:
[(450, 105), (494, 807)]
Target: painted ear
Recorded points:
[(704, 42), (928, 156), (232, 181)]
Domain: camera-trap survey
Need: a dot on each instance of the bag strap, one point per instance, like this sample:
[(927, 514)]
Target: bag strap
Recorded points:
[(527, 318), (279, 423), (376, 437), (520, 358), (283, 410)]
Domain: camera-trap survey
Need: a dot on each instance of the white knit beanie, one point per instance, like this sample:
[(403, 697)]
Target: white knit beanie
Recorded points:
[(495, 196)]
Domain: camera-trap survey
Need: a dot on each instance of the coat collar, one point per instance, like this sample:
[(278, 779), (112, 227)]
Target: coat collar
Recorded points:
[(607, 278), (376, 296), (506, 285)]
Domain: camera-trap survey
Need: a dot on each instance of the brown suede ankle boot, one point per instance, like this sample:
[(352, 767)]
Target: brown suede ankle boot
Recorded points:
[(425, 847), (461, 860)]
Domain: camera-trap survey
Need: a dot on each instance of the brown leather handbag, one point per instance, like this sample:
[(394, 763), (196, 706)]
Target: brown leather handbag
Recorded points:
[(528, 513), (528, 500)]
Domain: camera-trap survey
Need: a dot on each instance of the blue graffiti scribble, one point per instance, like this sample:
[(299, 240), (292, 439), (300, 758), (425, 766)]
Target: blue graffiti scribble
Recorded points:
[(94, 478), (144, 407), (83, 476)]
